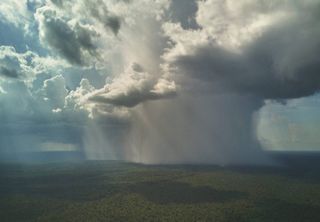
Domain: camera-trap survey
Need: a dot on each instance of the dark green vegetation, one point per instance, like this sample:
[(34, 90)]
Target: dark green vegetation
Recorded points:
[(114, 191)]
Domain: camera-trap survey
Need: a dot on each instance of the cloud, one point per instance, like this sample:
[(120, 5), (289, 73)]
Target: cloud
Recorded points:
[(16, 65), (133, 87), (14, 12), (94, 9), (276, 59), (183, 12), (51, 98), (10, 73), (243, 54), (54, 91), (26, 66), (75, 29), (75, 100), (98, 10), (59, 3), (217, 60), (67, 37)]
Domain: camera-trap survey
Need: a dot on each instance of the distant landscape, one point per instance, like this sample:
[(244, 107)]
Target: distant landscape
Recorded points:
[(118, 191)]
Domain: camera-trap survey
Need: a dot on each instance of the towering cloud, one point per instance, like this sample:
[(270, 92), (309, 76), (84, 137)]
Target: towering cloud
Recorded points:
[(242, 54), (182, 81)]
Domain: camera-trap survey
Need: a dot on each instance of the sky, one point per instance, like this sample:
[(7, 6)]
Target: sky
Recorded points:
[(159, 81)]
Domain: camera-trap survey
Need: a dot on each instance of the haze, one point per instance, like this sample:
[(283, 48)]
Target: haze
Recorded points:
[(215, 81)]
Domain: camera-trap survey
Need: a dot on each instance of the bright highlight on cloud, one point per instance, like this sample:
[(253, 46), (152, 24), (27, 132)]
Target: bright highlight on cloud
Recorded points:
[(150, 81)]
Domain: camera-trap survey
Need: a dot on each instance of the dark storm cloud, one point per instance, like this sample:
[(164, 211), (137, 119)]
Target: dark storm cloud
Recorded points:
[(114, 23), (58, 3), (16, 65), (243, 52), (242, 55), (10, 73), (73, 42), (281, 64), (72, 33), (184, 11), (98, 10)]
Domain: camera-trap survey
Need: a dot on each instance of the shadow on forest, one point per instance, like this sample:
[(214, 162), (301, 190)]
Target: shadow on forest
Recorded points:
[(87, 187), (67, 187), (177, 192), (279, 210)]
